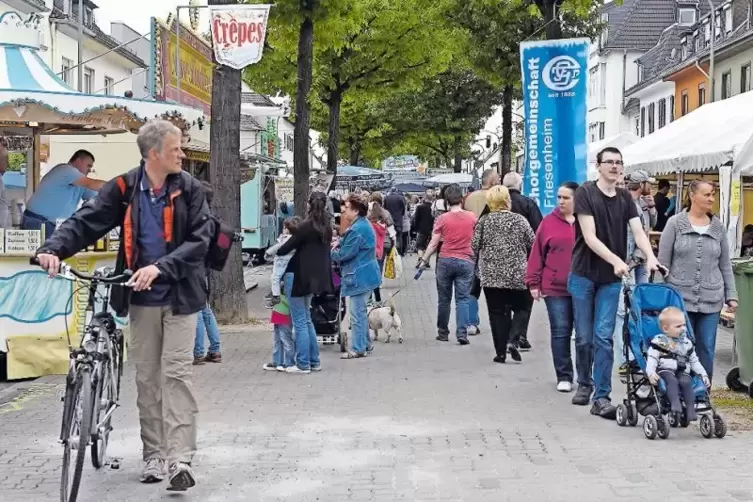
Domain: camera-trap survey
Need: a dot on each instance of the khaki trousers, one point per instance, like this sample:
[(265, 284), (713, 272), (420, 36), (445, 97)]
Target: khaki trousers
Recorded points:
[(162, 349)]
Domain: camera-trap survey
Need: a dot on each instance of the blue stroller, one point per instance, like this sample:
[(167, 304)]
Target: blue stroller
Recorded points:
[(643, 304)]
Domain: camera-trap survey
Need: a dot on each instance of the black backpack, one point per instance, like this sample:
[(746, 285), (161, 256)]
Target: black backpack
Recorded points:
[(222, 240)]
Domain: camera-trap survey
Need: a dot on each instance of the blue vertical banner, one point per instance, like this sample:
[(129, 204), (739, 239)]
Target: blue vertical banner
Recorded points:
[(555, 88)]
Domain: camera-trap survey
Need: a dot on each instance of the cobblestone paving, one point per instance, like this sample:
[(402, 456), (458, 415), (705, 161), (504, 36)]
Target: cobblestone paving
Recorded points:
[(419, 421)]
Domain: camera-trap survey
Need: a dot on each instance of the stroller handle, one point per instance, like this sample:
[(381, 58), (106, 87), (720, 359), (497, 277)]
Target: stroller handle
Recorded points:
[(637, 262)]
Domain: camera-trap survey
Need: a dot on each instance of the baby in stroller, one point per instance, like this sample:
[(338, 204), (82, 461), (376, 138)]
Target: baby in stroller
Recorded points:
[(657, 384), (671, 358)]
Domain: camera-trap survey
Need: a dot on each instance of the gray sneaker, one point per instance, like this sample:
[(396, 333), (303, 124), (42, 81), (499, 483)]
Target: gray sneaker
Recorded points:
[(181, 477), (154, 471)]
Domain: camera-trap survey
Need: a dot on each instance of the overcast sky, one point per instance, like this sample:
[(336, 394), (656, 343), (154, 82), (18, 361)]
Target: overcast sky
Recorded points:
[(138, 13)]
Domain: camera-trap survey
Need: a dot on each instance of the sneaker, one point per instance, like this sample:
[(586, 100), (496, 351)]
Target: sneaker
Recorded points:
[(500, 359), (154, 471), (582, 395), (623, 369), (464, 341), (297, 371), (523, 344), (181, 477), (603, 408), (564, 386), (214, 357), (316, 369), (443, 338), (268, 296), (281, 369), (473, 330), (270, 367), (514, 352), (198, 360), (271, 302)]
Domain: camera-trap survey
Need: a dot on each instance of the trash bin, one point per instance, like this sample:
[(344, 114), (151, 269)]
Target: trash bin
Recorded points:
[(740, 378)]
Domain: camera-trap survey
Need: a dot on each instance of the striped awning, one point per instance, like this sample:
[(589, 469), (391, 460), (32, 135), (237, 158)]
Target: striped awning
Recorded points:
[(31, 93), (21, 69)]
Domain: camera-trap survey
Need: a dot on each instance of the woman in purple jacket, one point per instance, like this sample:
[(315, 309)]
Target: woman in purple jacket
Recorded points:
[(546, 277)]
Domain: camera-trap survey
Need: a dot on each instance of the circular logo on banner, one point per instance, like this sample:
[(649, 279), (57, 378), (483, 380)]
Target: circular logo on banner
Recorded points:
[(561, 73)]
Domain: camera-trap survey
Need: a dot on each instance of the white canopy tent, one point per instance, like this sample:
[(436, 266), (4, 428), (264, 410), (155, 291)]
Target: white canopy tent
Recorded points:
[(711, 136), (717, 136)]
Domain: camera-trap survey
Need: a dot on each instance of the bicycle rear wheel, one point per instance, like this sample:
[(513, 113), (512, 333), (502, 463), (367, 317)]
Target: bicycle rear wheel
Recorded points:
[(79, 431), (104, 398)]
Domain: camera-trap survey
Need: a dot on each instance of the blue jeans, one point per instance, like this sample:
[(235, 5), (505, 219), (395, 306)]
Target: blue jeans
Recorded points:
[(306, 346), (458, 273), (595, 308), (560, 310), (359, 329), (283, 353), (704, 330), (207, 324), (473, 318), (33, 221), (640, 276)]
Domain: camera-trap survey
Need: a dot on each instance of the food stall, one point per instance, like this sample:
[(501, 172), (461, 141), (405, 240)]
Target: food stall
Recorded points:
[(714, 142), (36, 313)]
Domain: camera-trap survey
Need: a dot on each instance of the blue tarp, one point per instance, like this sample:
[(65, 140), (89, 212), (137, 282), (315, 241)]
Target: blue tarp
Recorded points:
[(14, 179)]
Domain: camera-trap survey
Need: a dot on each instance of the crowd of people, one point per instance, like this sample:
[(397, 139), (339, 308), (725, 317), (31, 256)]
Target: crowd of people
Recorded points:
[(492, 241)]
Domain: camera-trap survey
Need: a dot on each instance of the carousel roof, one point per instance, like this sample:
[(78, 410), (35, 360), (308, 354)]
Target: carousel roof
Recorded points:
[(31, 94)]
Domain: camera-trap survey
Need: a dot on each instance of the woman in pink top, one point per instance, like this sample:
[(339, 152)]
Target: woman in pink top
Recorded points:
[(546, 277), (455, 267)]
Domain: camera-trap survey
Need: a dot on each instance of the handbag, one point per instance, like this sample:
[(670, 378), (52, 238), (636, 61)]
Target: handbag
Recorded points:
[(476, 283)]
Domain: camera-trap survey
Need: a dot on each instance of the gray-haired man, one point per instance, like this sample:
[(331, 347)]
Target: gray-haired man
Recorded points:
[(166, 231)]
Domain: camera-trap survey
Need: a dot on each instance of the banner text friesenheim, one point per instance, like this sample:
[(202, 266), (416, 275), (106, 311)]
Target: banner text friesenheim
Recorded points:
[(535, 157)]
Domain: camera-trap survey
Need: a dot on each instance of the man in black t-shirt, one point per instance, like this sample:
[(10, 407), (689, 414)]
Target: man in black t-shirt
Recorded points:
[(604, 213)]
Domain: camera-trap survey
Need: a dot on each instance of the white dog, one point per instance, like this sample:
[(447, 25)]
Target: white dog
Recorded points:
[(386, 319)]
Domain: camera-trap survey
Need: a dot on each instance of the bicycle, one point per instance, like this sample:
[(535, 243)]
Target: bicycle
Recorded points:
[(92, 388)]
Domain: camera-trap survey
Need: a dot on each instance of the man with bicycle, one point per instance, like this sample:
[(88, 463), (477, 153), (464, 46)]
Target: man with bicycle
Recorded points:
[(165, 234)]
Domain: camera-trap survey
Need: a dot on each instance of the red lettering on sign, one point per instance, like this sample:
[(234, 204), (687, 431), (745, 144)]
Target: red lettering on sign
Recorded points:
[(232, 32)]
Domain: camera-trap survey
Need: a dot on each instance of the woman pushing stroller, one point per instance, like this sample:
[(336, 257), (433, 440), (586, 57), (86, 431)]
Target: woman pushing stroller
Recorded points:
[(671, 358)]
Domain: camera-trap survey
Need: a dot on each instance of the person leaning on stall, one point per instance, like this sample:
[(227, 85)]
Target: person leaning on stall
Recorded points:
[(167, 229), (60, 192)]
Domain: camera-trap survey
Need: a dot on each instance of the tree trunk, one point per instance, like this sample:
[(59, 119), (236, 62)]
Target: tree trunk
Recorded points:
[(457, 164), (227, 288), (506, 146), (549, 11), (333, 136), (354, 150), (301, 168)]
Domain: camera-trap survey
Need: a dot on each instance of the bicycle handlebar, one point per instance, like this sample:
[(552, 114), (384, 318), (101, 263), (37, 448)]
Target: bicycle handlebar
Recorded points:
[(121, 279)]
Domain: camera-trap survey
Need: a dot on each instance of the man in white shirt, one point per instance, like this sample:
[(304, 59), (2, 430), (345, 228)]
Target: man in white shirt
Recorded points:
[(5, 221)]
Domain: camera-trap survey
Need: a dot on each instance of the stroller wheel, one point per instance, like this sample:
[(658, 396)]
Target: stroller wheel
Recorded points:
[(632, 416), (663, 427), (650, 427), (622, 415), (707, 426), (720, 427)]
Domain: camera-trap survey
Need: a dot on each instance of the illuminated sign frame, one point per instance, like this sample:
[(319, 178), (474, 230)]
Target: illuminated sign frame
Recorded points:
[(195, 68)]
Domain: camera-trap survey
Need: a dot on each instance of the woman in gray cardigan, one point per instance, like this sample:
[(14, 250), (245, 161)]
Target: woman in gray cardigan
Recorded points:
[(694, 248)]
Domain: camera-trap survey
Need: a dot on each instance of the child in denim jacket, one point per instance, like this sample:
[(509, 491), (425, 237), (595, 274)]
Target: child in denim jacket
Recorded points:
[(289, 227)]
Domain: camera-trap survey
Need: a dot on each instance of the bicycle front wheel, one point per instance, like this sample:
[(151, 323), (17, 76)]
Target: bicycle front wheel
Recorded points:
[(104, 399), (79, 432)]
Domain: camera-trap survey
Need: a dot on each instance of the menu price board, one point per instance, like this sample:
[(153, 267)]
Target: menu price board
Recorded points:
[(2, 240), (22, 241)]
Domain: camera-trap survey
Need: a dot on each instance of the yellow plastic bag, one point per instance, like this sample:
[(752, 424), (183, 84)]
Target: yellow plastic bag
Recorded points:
[(389, 265)]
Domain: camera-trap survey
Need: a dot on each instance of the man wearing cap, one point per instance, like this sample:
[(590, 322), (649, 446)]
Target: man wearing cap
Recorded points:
[(638, 184)]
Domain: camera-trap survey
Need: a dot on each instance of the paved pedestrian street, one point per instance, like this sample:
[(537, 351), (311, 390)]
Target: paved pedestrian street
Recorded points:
[(419, 421)]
